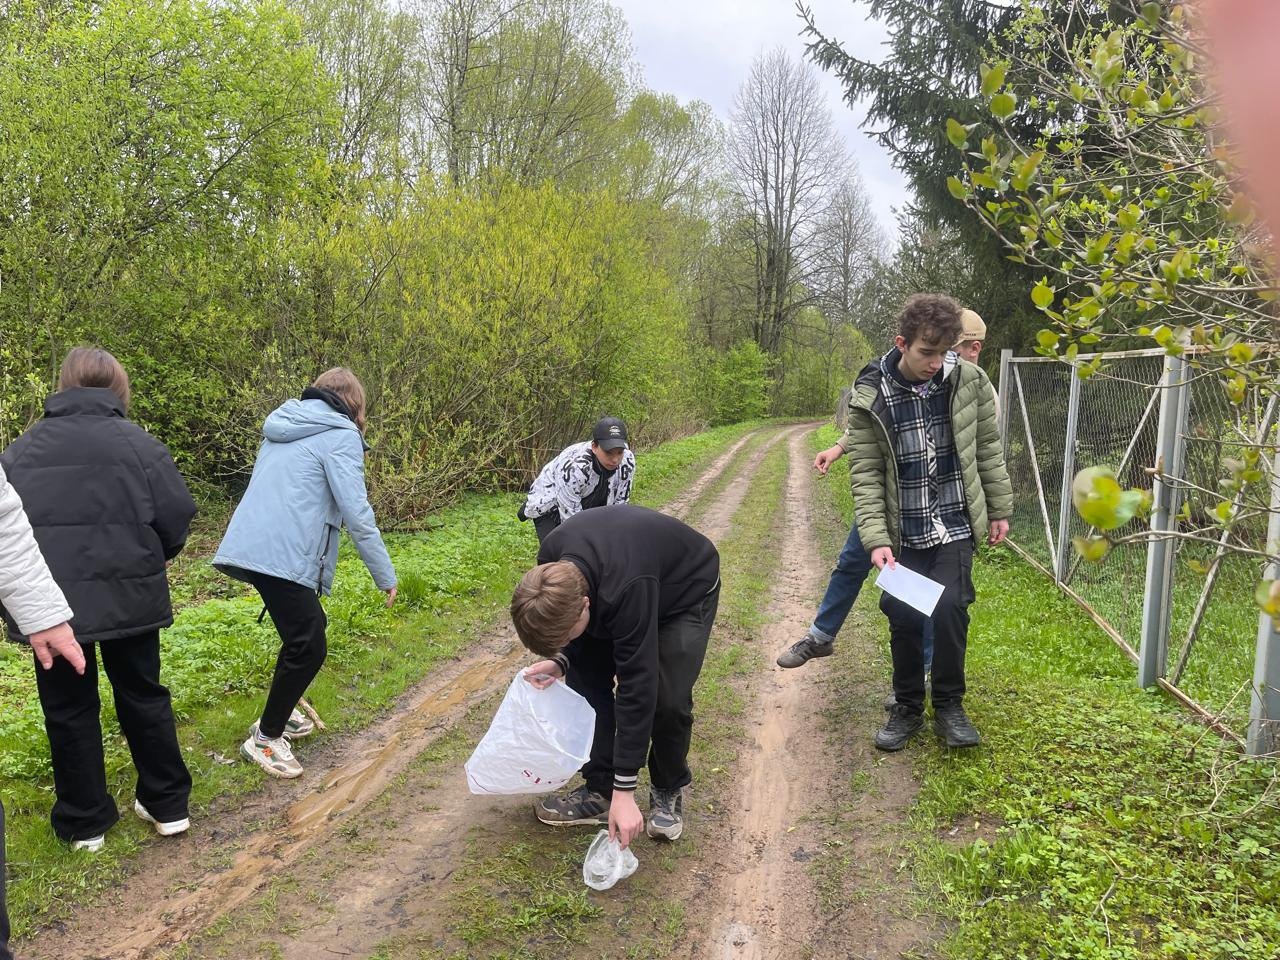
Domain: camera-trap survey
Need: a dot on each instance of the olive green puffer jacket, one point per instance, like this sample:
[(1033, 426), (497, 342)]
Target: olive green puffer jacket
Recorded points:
[(873, 470)]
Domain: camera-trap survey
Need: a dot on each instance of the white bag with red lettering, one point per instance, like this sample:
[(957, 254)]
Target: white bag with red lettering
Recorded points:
[(538, 740)]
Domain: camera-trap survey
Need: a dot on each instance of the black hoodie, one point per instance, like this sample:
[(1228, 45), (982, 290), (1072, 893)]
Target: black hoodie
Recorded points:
[(642, 569)]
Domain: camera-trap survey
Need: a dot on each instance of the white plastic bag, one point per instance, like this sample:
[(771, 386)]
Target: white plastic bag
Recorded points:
[(538, 740), (607, 863)]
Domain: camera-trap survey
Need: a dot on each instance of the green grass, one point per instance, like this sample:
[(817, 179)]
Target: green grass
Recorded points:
[(1123, 830), (217, 658), (517, 896)]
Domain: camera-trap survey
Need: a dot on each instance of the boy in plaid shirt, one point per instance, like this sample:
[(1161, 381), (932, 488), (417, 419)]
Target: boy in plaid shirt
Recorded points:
[(929, 479)]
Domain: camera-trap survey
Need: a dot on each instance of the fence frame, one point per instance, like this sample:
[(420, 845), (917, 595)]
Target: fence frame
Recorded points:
[(1173, 394)]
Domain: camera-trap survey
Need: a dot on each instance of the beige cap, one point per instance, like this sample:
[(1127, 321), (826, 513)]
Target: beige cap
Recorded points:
[(971, 327)]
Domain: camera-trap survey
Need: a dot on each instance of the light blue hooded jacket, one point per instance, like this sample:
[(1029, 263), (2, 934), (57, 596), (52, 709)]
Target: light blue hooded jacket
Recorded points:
[(308, 481)]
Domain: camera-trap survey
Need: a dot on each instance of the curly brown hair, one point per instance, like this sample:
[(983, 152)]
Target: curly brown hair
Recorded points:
[(546, 605), (933, 318)]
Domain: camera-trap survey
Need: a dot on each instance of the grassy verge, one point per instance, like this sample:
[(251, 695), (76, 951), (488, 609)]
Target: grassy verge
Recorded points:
[(217, 660), (1096, 822), (521, 895)]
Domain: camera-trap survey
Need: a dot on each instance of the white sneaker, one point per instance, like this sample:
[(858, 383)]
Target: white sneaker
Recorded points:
[(298, 725), (273, 756), (164, 829), (91, 845)]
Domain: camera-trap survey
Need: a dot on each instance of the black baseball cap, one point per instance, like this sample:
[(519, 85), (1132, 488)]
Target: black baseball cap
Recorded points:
[(610, 434)]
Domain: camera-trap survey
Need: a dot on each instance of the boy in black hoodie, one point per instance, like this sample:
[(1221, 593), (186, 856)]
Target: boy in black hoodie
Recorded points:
[(628, 593)]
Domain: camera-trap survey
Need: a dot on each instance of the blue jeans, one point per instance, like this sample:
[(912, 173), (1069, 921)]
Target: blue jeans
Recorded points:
[(842, 590)]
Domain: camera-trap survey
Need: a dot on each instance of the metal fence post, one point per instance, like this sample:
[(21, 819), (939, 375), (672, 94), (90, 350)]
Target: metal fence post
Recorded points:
[(1153, 653), (1264, 709), (1005, 396), (1061, 561)]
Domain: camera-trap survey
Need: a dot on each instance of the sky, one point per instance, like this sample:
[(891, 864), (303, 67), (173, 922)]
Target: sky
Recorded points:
[(702, 50)]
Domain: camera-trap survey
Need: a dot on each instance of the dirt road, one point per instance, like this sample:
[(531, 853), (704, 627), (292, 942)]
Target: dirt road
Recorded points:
[(351, 861)]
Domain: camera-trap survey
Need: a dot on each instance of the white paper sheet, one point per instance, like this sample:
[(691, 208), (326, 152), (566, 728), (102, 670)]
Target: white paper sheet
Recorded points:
[(913, 589)]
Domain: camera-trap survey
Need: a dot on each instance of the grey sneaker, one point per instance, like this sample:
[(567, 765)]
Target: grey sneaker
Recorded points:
[(298, 725), (273, 756), (804, 650), (580, 807), (665, 820)]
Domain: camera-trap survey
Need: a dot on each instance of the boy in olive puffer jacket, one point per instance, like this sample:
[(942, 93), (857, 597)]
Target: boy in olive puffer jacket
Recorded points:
[(929, 478)]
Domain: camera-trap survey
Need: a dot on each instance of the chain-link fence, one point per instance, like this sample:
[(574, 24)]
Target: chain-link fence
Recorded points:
[(1181, 607)]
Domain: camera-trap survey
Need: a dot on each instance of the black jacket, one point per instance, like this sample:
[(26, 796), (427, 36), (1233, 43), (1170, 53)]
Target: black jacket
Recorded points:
[(642, 569), (108, 508)]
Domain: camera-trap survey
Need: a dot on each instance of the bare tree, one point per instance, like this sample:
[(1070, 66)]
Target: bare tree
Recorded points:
[(783, 157), (527, 88)]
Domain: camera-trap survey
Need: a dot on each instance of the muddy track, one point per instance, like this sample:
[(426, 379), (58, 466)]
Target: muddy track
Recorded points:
[(764, 905), (171, 898)]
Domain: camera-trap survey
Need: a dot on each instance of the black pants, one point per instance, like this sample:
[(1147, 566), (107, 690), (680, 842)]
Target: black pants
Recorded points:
[(84, 808), (4, 913), (299, 619), (682, 646), (950, 564), (544, 524)]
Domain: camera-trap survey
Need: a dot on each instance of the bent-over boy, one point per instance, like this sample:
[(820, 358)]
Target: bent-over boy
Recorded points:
[(631, 594)]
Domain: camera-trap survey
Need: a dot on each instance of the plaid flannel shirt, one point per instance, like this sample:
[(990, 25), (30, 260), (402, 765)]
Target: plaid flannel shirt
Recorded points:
[(931, 501)]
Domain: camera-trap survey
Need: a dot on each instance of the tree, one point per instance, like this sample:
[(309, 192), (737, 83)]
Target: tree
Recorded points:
[(1126, 204), (930, 74), (783, 159)]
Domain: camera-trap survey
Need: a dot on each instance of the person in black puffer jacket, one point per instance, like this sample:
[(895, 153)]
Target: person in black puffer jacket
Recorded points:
[(109, 511)]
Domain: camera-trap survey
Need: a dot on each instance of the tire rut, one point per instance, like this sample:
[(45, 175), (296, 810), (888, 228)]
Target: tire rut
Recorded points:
[(795, 779)]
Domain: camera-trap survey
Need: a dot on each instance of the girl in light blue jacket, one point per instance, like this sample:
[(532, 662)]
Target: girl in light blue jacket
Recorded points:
[(307, 483)]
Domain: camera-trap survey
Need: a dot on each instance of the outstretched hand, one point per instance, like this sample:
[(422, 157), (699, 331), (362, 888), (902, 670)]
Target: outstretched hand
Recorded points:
[(58, 641), (883, 555), (625, 819), (823, 461), (391, 596), (543, 673)]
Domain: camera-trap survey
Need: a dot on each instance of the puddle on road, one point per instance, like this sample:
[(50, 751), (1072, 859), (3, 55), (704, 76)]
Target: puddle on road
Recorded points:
[(347, 789)]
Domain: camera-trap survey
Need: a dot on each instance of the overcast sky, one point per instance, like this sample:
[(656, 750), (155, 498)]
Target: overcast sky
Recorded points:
[(702, 49)]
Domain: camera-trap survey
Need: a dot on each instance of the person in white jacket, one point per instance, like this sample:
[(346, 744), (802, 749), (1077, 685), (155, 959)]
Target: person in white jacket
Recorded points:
[(36, 603), (594, 473)]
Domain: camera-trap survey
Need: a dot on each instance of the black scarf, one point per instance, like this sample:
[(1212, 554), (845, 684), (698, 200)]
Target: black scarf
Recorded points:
[(338, 404)]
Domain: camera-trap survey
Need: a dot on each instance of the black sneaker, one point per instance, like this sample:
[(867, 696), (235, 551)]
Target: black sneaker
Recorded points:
[(580, 807), (953, 726), (665, 820), (804, 650), (901, 726)]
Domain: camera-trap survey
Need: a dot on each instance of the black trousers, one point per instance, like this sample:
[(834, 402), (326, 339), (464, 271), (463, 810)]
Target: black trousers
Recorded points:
[(544, 524), (299, 619), (84, 808), (682, 646), (950, 564), (4, 913)]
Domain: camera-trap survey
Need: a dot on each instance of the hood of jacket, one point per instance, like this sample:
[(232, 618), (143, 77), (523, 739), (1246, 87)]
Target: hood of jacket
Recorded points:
[(298, 419), (84, 402)]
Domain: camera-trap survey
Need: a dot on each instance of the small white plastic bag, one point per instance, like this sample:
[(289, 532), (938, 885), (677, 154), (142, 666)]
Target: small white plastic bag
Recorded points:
[(607, 863), (538, 740)]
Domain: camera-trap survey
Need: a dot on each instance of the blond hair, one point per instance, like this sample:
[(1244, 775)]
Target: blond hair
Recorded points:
[(348, 387), (546, 605), (94, 367)]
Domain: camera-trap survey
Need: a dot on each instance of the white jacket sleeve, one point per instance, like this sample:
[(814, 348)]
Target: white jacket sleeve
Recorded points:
[(27, 589)]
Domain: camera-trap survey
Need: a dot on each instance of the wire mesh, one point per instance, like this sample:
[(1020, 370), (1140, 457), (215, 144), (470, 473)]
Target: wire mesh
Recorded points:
[(1117, 425), (1222, 637)]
